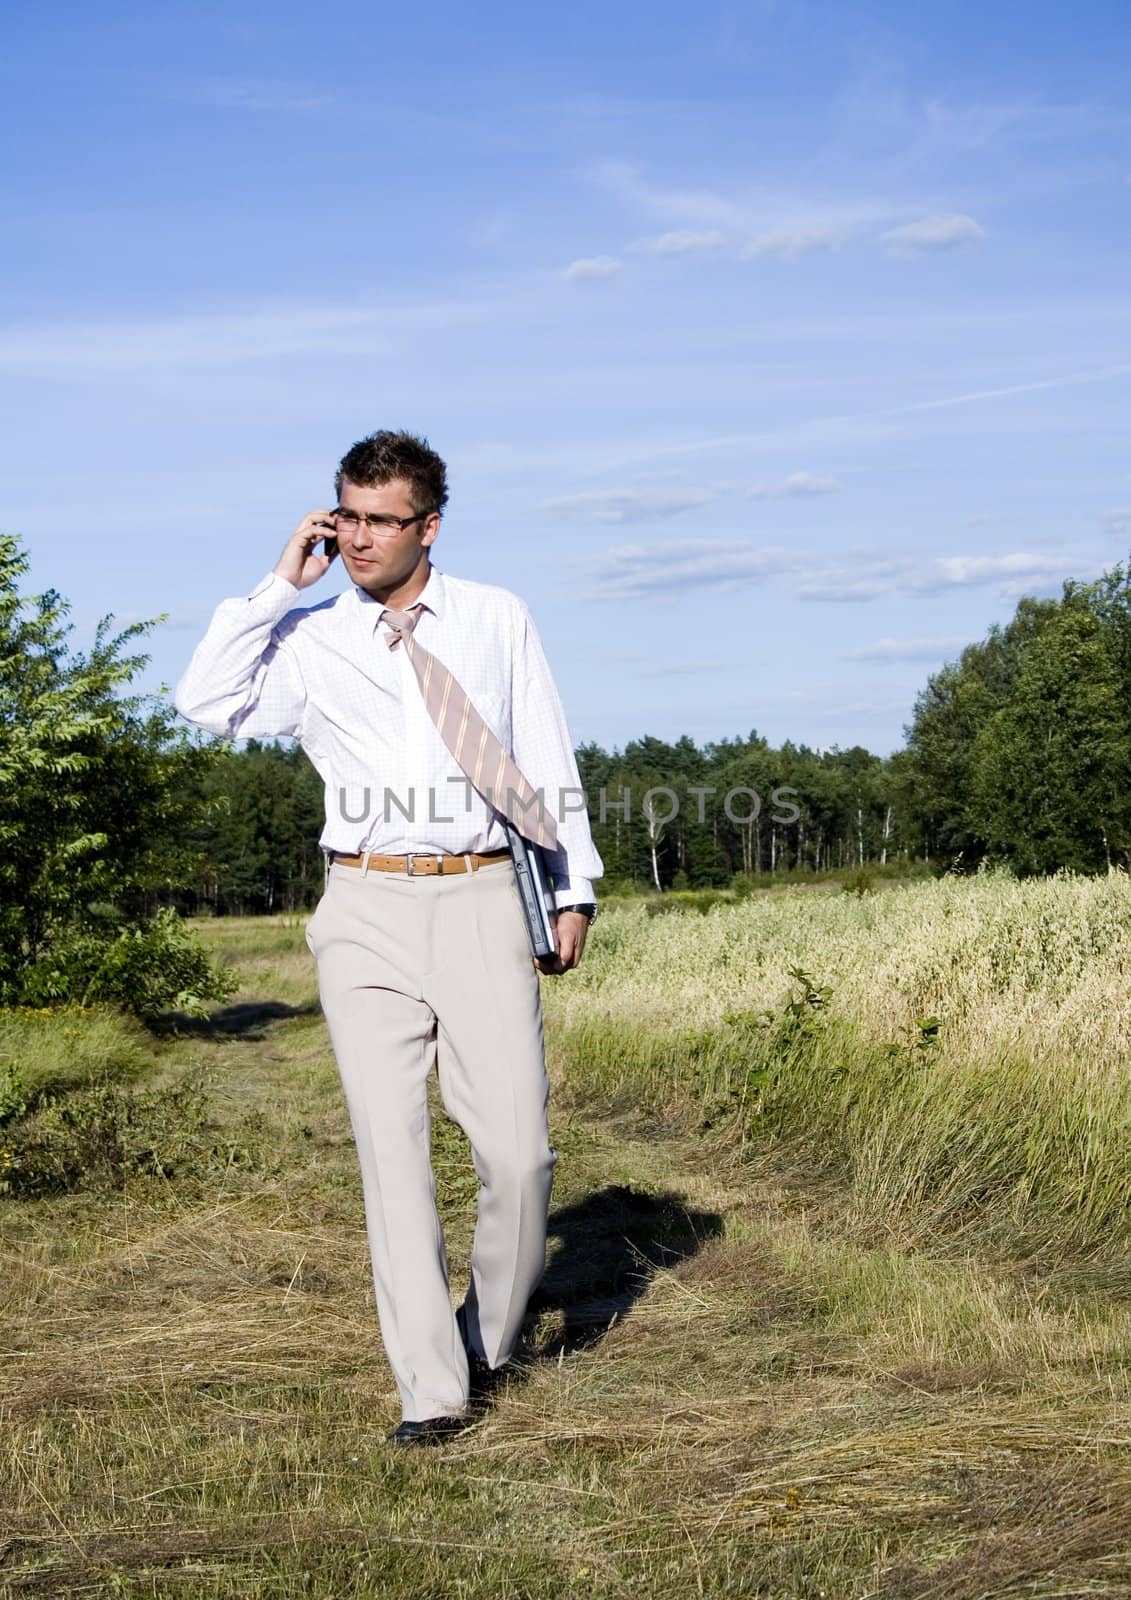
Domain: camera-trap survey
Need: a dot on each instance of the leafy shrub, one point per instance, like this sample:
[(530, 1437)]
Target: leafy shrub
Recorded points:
[(147, 969), (13, 1092), (862, 881)]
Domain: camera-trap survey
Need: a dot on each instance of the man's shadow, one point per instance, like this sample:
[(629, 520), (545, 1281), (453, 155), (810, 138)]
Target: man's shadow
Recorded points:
[(610, 1246), (245, 1020)]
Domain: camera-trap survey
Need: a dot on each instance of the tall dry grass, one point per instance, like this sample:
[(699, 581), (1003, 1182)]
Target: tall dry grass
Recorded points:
[(958, 1049)]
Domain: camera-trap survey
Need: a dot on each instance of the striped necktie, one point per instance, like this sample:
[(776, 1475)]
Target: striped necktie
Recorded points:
[(477, 752)]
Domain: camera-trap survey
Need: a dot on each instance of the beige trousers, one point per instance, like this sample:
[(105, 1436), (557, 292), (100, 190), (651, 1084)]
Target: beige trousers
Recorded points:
[(414, 971)]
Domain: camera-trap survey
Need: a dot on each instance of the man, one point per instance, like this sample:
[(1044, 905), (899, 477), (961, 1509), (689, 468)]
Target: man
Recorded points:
[(420, 939)]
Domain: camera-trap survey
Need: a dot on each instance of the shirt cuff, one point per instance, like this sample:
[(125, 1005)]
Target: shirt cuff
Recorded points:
[(274, 596), (574, 892)]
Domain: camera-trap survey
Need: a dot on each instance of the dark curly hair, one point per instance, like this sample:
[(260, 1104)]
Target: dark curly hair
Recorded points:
[(381, 457)]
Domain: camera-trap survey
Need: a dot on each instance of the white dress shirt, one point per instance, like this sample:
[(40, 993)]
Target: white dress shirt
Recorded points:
[(327, 676)]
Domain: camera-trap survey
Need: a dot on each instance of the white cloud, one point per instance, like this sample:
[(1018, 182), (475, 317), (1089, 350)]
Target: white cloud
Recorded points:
[(797, 485), (1118, 522), (932, 233), (776, 221), (625, 505), (908, 649), (685, 241), (665, 566), (1016, 574), (788, 243), (592, 269), (1046, 586), (958, 572), (701, 207), (849, 584), (632, 570)]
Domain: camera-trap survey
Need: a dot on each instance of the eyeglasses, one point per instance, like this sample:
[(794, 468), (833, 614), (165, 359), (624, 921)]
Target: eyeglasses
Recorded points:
[(350, 521)]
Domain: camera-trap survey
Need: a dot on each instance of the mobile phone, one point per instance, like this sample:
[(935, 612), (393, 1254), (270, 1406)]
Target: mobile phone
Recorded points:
[(329, 540)]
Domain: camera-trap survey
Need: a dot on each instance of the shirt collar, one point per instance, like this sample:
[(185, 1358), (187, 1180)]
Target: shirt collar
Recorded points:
[(431, 596)]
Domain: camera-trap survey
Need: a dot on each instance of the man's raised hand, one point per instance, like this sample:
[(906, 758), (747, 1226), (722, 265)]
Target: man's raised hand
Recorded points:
[(298, 563)]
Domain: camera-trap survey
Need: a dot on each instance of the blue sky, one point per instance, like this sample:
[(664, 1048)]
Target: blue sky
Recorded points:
[(775, 350)]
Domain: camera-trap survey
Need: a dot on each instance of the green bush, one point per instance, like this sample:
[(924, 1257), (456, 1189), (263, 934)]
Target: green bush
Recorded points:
[(155, 967), (13, 1092), (861, 881), (101, 790)]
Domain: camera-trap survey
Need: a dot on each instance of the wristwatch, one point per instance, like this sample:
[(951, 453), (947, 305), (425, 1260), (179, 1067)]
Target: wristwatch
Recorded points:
[(589, 909)]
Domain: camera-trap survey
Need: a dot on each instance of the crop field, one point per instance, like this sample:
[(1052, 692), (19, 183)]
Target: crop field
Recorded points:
[(836, 1305)]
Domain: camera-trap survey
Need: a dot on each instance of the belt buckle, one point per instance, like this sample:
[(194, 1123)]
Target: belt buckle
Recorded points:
[(411, 869)]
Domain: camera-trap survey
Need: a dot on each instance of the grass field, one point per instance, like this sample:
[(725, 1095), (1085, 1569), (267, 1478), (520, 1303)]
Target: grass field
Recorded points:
[(837, 1302)]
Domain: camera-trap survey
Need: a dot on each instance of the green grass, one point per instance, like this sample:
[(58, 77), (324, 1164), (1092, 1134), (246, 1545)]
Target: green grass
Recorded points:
[(46, 1050), (835, 1306)]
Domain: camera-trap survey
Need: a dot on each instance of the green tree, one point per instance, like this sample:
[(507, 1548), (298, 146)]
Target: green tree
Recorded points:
[(1050, 782), (950, 713), (97, 792)]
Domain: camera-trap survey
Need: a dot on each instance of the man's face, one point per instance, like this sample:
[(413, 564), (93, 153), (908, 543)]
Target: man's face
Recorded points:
[(380, 560)]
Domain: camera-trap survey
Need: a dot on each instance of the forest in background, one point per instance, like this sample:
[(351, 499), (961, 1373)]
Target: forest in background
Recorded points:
[(113, 810), (1018, 752)]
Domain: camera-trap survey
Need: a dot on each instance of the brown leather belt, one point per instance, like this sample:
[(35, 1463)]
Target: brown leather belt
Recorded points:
[(419, 865)]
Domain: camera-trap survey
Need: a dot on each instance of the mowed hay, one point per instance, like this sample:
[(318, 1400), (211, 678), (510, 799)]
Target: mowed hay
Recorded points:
[(783, 1347)]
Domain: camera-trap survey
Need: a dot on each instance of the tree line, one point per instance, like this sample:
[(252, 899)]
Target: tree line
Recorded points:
[(1018, 752), (112, 811)]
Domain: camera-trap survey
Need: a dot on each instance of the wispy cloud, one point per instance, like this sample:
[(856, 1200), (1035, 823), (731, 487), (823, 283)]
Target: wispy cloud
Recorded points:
[(1063, 381), (846, 427), (1118, 522), (955, 572), (684, 669), (226, 338), (776, 222), (932, 233), (261, 94), (625, 505), (788, 243), (698, 206), (778, 214), (908, 649), (637, 570), (799, 485), (1020, 572), (592, 269), (662, 567), (684, 241)]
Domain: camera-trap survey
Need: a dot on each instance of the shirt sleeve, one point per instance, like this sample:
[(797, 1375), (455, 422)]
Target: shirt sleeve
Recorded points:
[(544, 753), (243, 680)]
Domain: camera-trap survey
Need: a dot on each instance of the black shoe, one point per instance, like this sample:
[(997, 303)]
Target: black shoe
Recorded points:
[(483, 1380), (433, 1430)]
